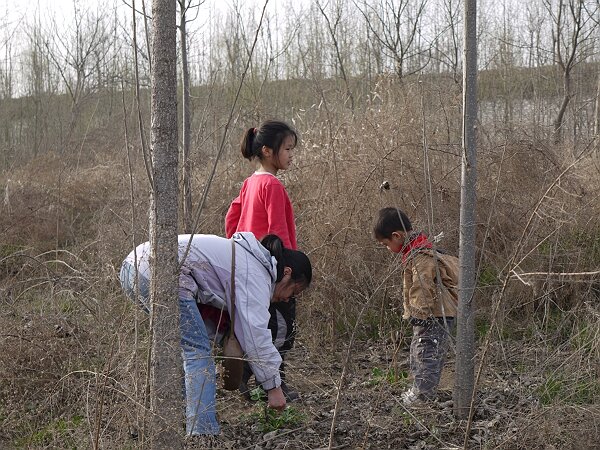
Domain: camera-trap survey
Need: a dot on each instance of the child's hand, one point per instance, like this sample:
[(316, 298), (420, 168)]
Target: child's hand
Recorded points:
[(276, 399)]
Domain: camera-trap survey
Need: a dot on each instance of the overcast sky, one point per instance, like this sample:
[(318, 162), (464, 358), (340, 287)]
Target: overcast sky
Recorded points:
[(15, 14), (15, 10), (63, 9)]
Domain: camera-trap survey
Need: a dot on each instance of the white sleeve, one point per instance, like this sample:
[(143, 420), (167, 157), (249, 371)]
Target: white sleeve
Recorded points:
[(142, 252), (253, 296)]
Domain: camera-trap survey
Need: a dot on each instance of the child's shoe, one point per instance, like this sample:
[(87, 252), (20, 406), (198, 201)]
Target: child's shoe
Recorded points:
[(412, 397), (245, 391)]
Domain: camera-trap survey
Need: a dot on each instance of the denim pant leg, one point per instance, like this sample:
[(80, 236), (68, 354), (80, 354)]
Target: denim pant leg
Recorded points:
[(128, 279), (199, 369), (427, 355)]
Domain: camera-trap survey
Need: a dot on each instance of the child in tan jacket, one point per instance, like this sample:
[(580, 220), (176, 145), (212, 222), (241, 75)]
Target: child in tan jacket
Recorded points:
[(430, 296)]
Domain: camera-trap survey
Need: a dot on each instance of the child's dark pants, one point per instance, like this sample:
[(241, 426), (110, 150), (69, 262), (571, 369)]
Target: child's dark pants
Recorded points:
[(428, 350)]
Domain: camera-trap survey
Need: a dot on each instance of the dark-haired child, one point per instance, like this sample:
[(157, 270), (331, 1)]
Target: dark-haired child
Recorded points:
[(430, 297), (264, 207), (265, 273)]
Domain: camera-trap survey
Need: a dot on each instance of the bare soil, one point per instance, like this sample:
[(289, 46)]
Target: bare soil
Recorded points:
[(51, 396), (369, 413)]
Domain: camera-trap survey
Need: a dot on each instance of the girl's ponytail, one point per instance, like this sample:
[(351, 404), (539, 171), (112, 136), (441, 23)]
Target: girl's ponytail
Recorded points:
[(247, 143), (275, 246), (294, 259)]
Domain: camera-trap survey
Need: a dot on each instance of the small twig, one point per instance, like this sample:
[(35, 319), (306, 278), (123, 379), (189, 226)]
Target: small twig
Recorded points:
[(278, 435), (366, 304), (500, 294), (143, 141), (225, 131), (136, 264), (108, 367), (422, 425), (558, 275)]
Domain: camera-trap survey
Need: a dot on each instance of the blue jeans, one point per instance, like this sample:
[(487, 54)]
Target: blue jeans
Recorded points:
[(198, 364), (199, 368), (128, 283)]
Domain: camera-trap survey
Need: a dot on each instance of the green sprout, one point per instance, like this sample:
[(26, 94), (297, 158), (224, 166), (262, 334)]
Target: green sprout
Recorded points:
[(390, 376), (270, 419)]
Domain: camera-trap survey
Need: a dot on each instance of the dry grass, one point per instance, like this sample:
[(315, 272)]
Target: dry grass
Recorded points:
[(70, 342)]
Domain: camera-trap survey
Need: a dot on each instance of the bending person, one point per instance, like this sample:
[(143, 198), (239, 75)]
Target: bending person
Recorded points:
[(265, 272)]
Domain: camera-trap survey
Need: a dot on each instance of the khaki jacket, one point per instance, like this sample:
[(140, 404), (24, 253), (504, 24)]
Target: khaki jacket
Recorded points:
[(423, 296)]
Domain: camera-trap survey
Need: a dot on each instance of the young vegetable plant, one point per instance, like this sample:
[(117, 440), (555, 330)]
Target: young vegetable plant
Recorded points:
[(391, 376), (270, 419)]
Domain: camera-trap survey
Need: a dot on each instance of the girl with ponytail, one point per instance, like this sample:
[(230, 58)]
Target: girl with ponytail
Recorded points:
[(263, 207)]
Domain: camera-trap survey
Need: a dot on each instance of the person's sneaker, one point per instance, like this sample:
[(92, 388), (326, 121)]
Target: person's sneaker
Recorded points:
[(411, 397), (245, 391), (289, 394)]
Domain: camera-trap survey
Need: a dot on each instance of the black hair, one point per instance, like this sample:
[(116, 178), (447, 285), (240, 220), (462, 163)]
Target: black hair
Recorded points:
[(294, 259), (270, 133), (391, 220)]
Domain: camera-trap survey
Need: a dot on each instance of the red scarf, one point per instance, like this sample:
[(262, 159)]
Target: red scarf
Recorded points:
[(416, 241)]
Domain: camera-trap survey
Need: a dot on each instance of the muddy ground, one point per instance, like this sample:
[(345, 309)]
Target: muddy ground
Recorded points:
[(50, 398), (509, 411)]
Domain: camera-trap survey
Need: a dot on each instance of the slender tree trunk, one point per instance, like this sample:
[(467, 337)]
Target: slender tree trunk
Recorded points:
[(597, 113), (166, 365), (332, 33), (187, 123), (558, 122), (465, 345)]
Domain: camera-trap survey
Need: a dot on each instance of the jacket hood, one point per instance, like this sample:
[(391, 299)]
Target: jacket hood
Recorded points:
[(248, 242)]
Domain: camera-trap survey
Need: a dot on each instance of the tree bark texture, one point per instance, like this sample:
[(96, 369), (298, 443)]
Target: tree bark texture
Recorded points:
[(187, 123), (166, 365), (465, 345), (597, 111), (558, 122)]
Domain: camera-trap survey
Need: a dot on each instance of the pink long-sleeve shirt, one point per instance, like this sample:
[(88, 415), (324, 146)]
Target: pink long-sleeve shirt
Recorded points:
[(263, 207)]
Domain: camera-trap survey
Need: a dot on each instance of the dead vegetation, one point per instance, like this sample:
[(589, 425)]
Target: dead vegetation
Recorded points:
[(73, 359)]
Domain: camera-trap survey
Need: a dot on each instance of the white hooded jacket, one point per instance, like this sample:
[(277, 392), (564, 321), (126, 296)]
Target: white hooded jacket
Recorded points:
[(206, 276)]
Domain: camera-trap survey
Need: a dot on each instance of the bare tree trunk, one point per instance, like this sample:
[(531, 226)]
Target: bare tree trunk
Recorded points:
[(166, 365), (573, 35), (597, 113), (465, 345), (558, 121), (336, 45), (187, 122), (396, 28)]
